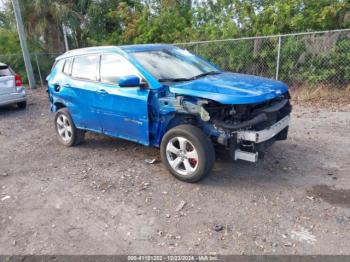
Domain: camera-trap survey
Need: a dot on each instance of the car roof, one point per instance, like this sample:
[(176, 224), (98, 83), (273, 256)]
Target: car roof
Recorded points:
[(145, 47), (124, 48)]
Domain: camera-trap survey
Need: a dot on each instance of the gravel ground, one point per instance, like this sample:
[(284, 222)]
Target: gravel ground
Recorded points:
[(102, 197)]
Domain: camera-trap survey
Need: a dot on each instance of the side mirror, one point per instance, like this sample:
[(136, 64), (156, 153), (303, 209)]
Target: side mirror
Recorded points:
[(129, 81)]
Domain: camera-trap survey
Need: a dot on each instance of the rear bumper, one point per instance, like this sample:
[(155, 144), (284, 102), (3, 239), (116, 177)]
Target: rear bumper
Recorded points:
[(13, 98)]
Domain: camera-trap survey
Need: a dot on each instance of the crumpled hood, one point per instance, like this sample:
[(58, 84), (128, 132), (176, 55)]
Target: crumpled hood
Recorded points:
[(231, 88)]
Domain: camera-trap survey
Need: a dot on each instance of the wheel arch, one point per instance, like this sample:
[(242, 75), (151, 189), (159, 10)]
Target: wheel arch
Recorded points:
[(180, 119), (58, 105), (174, 120)]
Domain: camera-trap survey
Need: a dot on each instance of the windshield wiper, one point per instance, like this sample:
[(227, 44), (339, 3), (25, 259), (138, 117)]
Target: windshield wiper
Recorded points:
[(173, 79), (189, 79), (205, 74)]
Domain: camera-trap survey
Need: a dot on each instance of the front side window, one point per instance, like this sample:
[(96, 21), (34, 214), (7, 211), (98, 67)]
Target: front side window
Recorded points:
[(85, 67), (170, 64), (114, 66)]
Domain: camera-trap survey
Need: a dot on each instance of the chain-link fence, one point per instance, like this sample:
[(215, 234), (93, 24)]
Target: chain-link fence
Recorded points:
[(304, 59), (307, 59)]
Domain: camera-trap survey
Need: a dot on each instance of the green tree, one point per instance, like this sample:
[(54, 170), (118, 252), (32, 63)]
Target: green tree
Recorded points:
[(10, 51)]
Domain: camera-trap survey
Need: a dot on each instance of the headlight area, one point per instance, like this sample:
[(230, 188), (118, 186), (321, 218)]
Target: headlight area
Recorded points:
[(246, 131)]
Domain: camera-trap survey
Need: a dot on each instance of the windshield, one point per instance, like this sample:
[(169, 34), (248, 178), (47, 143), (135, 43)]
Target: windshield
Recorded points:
[(175, 64)]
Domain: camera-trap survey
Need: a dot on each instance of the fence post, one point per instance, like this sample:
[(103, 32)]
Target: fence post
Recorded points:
[(278, 57), (64, 29), (23, 42), (37, 64)]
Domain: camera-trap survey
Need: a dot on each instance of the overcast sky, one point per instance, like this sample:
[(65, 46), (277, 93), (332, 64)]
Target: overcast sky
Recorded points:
[(2, 3)]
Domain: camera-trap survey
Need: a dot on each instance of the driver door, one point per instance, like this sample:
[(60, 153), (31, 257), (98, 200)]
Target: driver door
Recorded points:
[(122, 111)]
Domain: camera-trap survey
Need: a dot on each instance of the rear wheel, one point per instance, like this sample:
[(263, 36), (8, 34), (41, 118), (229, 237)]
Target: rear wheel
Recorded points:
[(187, 153), (66, 131), (22, 105)]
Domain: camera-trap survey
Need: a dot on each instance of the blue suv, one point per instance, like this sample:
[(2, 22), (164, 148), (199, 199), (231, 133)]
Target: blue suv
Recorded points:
[(164, 96)]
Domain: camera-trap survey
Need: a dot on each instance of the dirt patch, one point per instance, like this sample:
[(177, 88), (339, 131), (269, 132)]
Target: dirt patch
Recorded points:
[(332, 195)]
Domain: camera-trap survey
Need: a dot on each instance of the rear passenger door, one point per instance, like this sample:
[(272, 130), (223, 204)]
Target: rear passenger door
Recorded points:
[(123, 111), (81, 89)]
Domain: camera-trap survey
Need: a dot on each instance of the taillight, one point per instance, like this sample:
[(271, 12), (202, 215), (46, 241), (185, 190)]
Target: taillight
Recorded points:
[(18, 80)]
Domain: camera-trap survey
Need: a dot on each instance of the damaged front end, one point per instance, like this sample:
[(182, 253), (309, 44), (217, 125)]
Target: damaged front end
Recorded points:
[(243, 131), (248, 130)]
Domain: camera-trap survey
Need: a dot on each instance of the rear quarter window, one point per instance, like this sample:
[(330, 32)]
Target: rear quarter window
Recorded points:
[(67, 69), (58, 65)]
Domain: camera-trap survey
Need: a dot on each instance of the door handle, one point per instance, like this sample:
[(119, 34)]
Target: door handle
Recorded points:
[(102, 91)]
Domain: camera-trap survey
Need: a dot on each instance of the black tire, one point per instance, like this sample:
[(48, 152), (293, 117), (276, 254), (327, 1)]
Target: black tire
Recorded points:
[(22, 105), (202, 145), (77, 135)]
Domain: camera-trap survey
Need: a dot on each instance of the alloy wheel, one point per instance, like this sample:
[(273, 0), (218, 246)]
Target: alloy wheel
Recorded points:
[(182, 156), (64, 128)]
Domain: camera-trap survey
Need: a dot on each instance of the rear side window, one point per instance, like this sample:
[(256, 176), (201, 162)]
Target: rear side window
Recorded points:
[(114, 66), (85, 67)]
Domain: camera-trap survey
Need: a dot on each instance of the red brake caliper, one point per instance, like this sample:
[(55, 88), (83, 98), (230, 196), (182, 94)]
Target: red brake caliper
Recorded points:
[(193, 162)]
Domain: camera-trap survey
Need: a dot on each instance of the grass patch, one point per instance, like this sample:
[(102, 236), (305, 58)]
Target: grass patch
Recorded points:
[(322, 96)]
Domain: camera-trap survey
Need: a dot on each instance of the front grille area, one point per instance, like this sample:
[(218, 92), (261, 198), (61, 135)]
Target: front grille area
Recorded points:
[(231, 117)]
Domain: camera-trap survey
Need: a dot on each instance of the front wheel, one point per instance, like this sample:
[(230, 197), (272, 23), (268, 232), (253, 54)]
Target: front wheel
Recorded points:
[(187, 153)]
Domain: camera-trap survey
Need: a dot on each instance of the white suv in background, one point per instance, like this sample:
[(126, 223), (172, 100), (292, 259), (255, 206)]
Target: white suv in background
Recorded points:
[(12, 90)]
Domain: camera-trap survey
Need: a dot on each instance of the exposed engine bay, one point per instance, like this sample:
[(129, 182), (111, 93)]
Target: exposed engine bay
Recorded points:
[(259, 116)]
